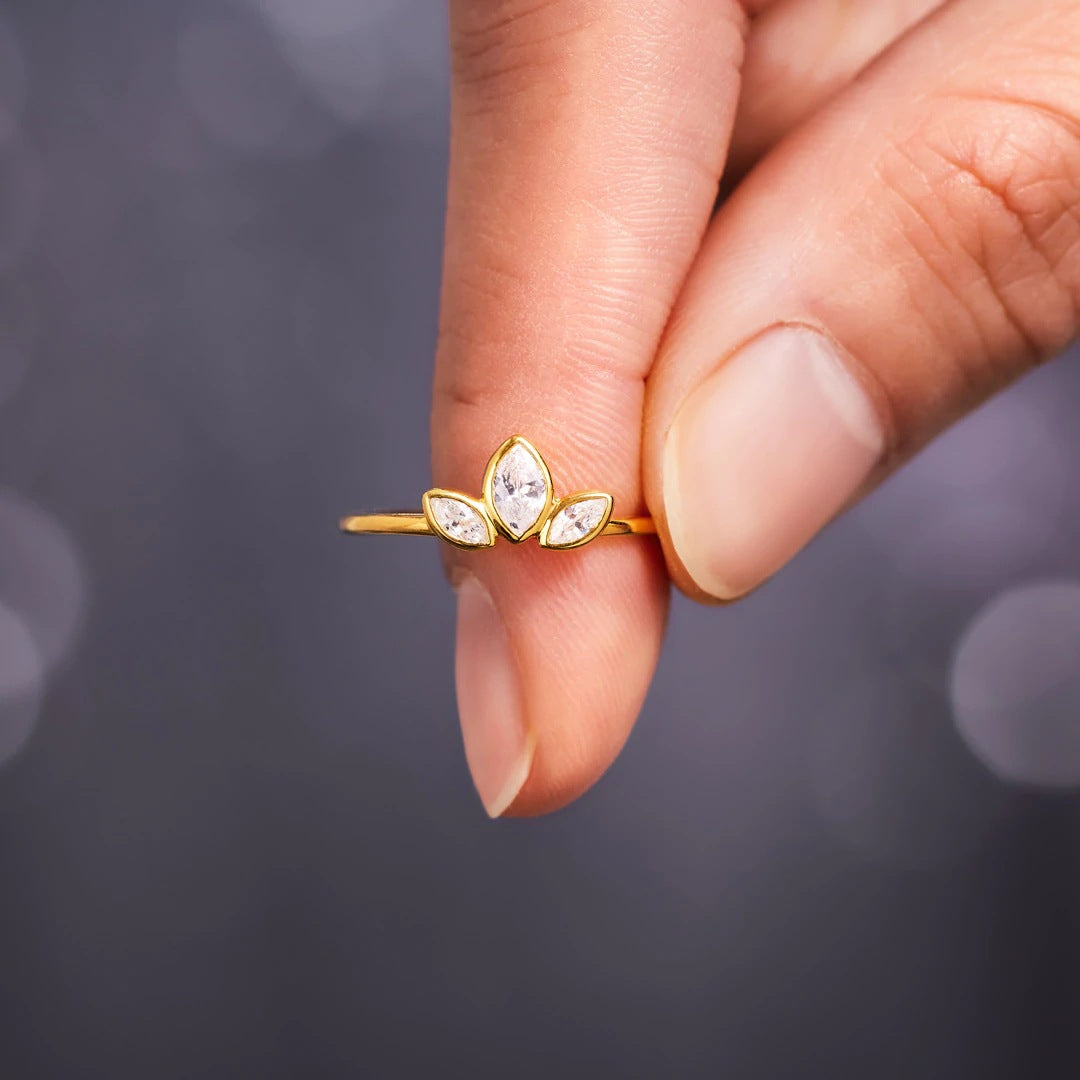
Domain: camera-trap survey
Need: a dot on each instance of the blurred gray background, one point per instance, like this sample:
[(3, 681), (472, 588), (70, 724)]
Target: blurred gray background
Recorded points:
[(237, 834)]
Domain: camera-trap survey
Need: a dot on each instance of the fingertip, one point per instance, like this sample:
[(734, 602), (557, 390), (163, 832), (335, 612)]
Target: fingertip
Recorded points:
[(554, 658), (499, 743), (762, 454)]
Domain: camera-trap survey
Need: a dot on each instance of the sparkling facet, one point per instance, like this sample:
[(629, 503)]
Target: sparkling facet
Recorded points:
[(459, 520), (518, 490), (575, 521)]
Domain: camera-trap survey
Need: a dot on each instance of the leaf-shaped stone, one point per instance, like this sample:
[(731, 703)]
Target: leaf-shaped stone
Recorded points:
[(458, 520), (577, 520), (518, 487)]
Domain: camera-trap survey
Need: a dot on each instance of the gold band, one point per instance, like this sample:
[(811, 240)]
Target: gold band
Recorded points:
[(410, 523)]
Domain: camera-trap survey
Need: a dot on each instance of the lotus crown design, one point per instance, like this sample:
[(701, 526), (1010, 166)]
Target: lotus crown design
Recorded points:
[(518, 502)]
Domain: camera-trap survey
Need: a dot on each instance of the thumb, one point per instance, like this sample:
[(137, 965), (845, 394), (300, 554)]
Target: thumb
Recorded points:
[(913, 271)]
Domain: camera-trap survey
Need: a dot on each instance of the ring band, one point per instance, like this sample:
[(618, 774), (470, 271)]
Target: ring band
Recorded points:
[(518, 502), (411, 523)]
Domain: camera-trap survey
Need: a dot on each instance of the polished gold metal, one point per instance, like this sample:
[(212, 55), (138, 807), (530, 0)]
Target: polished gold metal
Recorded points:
[(409, 523)]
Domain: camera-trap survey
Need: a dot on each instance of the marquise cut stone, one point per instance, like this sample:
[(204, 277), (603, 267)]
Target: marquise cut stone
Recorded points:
[(459, 520), (518, 490), (575, 521)]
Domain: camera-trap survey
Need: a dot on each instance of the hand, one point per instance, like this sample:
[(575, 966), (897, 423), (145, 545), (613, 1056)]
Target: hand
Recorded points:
[(906, 241)]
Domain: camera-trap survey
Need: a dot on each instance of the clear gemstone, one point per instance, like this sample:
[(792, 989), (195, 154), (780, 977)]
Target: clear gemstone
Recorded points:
[(575, 521), (518, 490), (459, 520)]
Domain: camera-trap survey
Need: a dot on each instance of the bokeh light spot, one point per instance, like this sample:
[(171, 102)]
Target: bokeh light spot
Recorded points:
[(1015, 685), (236, 83), (21, 675), (355, 61), (14, 362), (41, 576), (21, 181), (12, 82)]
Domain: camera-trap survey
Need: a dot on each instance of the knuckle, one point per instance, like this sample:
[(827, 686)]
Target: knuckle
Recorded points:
[(482, 369), (591, 323), (499, 49), (495, 46), (989, 194)]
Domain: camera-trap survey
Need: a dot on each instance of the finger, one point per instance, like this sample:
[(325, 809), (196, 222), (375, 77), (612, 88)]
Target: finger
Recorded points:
[(587, 139), (901, 256), (799, 53)]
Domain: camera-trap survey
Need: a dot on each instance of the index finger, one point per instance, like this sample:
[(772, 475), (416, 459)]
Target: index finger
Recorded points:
[(588, 137)]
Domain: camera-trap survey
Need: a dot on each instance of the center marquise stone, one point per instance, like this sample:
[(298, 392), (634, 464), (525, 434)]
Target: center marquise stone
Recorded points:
[(519, 491)]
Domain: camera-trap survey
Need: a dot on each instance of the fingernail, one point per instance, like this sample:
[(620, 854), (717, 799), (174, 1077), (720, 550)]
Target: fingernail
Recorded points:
[(762, 455), (498, 743)]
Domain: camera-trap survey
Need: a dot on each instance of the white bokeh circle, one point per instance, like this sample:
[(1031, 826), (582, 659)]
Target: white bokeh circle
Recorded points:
[(236, 83), (1015, 685), (22, 674), (22, 180), (361, 61), (41, 576), (12, 82)]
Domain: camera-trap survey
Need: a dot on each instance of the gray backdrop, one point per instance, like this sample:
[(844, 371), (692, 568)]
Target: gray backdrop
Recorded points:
[(237, 835)]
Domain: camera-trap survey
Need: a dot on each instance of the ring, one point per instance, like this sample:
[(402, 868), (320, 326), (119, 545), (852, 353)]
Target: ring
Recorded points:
[(518, 501)]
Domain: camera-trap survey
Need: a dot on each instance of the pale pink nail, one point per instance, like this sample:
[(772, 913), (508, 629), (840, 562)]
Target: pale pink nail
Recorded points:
[(763, 454), (498, 743)]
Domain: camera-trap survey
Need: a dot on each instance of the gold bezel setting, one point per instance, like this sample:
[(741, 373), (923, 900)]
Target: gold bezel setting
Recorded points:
[(565, 504), (473, 504)]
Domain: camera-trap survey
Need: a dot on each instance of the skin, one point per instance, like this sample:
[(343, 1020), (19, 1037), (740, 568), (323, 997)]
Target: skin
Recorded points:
[(904, 176)]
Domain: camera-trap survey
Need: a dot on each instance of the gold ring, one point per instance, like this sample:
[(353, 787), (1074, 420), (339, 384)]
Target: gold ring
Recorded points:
[(518, 501)]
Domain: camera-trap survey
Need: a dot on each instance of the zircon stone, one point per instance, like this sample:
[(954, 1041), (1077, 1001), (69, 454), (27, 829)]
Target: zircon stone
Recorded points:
[(459, 521), (575, 521), (518, 490)]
